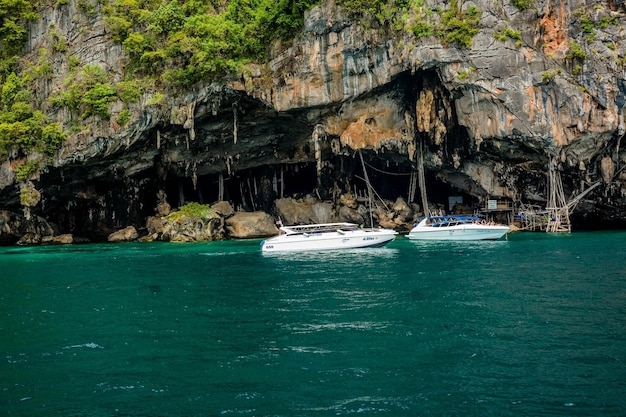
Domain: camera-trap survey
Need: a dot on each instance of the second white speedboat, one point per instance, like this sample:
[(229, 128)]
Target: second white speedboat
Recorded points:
[(457, 228), (327, 236)]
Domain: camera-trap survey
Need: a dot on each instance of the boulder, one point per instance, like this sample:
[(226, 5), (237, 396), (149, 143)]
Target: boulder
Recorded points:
[(16, 228), (249, 225), (29, 239), (154, 225), (127, 234), (163, 209), (64, 239), (403, 212), (192, 229), (304, 211), (349, 201), (223, 208), (350, 215)]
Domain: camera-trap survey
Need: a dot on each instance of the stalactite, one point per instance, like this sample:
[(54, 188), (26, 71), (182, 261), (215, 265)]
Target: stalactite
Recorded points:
[(215, 104), (181, 195), (229, 163), (318, 135), (190, 123), (220, 191), (194, 175), (251, 196), (235, 122), (241, 193), (274, 183)]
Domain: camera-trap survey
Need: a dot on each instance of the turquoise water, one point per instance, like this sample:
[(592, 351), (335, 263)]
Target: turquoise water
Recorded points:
[(532, 326)]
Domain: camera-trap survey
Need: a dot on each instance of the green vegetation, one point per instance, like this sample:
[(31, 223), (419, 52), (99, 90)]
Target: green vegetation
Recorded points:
[(451, 26), (506, 34), (124, 117), (588, 25), (170, 43), (29, 196), (549, 75), (457, 26), (13, 16), (181, 43), (202, 211), (588, 28), (577, 70), (465, 73), (383, 11), (26, 171), (155, 99), (522, 4), (606, 21), (22, 127), (576, 52), (90, 92)]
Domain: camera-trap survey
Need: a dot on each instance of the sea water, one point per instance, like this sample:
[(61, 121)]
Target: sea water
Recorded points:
[(530, 326)]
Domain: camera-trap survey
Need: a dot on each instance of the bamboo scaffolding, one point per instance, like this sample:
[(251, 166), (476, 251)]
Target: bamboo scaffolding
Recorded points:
[(557, 208)]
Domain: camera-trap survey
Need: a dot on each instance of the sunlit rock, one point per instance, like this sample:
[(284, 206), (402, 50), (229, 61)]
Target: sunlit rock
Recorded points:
[(247, 225), (128, 234)]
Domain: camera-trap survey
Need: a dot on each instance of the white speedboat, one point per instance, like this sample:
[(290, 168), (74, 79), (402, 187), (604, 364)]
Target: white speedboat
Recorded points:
[(457, 228), (327, 236)]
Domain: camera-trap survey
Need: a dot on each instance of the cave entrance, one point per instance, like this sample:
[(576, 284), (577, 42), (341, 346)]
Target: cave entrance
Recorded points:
[(248, 190), (391, 179), (448, 198)]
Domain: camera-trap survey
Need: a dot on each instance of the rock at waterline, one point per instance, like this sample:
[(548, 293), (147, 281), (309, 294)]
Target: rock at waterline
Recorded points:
[(249, 225), (127, 234)]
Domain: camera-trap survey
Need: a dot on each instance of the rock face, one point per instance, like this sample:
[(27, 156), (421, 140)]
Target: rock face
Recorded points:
[(17, 229), (245, 225), (485, 120), (128, 234)]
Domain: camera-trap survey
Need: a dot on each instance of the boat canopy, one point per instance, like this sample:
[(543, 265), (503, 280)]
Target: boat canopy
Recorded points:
[(319, 228), (454, 218)]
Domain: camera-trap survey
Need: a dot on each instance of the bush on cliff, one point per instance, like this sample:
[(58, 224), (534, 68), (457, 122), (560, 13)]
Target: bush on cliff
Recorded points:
[(197, 210)]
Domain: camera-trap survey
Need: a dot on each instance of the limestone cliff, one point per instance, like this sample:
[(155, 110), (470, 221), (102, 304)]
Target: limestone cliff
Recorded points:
[(489, 117)]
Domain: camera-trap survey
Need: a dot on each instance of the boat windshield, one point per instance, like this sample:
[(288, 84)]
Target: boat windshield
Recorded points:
[(446, 221), (319, 228)]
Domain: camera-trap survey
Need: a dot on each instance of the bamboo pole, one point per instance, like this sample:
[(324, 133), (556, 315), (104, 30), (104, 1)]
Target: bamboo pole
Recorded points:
[(369, 188), (422, 180)]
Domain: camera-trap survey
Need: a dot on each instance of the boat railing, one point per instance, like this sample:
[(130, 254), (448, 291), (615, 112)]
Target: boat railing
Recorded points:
[(319, 228)]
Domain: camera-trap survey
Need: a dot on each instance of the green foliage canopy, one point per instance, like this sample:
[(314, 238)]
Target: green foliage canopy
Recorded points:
[(182, 43), (22, 127), (191, 210), (13, 15)]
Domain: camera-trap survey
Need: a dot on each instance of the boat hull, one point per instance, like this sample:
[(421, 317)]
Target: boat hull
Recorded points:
[(328, 241), (460, 232)]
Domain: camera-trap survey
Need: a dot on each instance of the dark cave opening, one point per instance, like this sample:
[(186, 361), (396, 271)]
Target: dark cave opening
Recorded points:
[(258, 188), (391, 182), (253, 189)]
